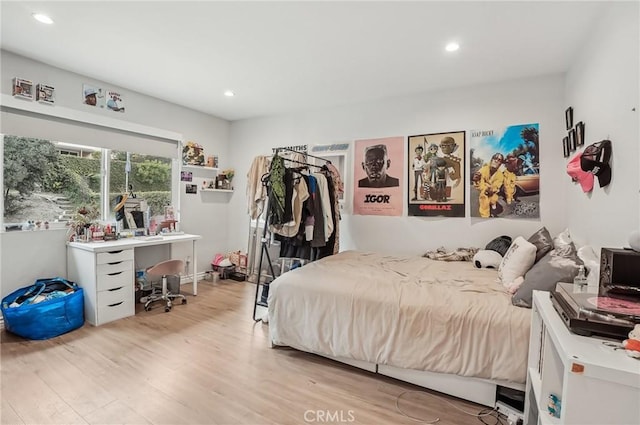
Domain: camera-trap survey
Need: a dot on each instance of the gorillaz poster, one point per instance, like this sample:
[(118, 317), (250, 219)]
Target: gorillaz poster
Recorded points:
[(505, 172), (436, 168), (377, 174)]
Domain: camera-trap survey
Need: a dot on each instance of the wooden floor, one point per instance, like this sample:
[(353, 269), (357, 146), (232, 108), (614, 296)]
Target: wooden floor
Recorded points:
[(206, 362)]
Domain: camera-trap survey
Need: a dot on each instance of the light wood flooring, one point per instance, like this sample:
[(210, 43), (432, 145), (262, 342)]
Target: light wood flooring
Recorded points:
[(206, 362)]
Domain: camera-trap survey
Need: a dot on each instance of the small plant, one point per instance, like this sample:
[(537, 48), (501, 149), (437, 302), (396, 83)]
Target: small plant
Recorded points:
[(229, 172), (83, 218)]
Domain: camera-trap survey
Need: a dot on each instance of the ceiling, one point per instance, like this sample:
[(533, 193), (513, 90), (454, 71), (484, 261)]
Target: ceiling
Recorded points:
[(283, 57)]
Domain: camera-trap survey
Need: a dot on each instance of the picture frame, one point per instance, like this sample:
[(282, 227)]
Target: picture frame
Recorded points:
[(22, 88), (169, 212), (580, 133), (565, 147), (568, 117), (45, 94), (572, 139)]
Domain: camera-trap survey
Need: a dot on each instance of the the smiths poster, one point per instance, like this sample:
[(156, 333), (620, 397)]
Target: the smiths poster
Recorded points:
[(436, 169), (505, 176), (378, 176)]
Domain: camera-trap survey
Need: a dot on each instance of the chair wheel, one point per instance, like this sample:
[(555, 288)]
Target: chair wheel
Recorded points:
[(184, 301), (147, 307), (167, 309)]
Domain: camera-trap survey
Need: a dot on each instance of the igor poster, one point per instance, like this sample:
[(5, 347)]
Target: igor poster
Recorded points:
[(505, 172), (436, 168), (377, 175)]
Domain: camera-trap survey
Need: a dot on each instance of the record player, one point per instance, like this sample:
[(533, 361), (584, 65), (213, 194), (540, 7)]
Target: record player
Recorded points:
[(592, 311)]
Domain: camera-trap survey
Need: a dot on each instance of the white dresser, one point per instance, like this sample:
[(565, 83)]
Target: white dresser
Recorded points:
[(107, 279), (596, 383)]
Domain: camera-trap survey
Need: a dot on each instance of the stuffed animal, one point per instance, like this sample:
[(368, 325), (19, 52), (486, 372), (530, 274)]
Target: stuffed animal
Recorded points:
[(487, 258), (632, 345)]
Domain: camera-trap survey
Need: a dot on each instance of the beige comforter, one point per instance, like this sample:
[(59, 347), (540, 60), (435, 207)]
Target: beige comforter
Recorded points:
[(408, 312)]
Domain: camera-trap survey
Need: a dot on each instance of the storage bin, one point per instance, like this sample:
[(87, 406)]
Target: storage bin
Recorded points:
[(48, 318)]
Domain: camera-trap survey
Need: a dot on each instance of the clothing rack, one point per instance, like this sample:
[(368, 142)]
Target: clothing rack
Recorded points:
[(301, 153), (264, 240)]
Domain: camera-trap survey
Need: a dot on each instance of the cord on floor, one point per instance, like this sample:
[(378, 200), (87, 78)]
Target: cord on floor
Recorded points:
[(480, 415)]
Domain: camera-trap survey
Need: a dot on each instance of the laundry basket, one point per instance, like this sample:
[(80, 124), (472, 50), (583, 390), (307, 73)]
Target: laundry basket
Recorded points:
[(48, 308)]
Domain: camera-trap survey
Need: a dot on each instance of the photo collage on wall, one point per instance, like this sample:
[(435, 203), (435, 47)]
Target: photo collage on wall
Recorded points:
[(505, 172), (436, 164), (378, 178)]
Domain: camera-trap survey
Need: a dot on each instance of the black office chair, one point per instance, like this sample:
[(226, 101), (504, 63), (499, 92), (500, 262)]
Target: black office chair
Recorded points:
[(162, 270)]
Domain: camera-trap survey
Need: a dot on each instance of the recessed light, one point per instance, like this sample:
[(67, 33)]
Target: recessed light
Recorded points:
[(40, 17), (229, 93), (452, 47)]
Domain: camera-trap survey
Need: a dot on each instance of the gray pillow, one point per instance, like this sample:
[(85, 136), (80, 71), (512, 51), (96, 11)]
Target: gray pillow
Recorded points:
[(543, 242), (544, 275)]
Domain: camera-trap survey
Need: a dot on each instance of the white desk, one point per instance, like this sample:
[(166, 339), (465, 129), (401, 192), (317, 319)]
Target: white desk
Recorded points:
[(105, 271)]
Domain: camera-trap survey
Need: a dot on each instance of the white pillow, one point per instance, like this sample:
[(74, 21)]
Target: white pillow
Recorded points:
[(517, 261)]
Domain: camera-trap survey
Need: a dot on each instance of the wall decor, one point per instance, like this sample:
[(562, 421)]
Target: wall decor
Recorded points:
[(22, 88), (572, 139), (580, 133), (114, 101), (92, 96), (186, 176), (192, 154), (45, 94), (436, 164), (565, 147), (377, 175), (505, 172), (192, 188), (568, 117)]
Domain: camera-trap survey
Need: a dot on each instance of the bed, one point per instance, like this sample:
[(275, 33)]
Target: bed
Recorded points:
[(448, 326)]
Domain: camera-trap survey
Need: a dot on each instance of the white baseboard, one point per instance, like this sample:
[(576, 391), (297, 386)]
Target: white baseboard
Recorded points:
[(189, 278)]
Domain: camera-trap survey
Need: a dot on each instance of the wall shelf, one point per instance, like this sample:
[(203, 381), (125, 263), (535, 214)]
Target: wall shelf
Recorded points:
[(199, 167), (217, 190)]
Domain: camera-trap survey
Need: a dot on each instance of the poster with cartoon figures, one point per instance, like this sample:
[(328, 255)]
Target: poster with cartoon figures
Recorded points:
[(436, 168), (378, 176), (505, 172)]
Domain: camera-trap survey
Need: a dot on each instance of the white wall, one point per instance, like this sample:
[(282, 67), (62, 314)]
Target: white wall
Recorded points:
[(205, 215), (482, 107), (603, 86)]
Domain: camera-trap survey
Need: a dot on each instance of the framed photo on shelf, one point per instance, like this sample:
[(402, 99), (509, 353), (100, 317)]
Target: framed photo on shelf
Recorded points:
[(580, 133), (568, 117), (572, 139), (169, 212), (22, 88), (565, 147), (45, 94)]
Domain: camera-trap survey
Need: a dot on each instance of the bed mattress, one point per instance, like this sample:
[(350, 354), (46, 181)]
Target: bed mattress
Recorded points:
[(407, 312)]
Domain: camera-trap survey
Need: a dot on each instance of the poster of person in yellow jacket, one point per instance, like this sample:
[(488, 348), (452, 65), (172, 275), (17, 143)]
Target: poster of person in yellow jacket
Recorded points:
[(504, 172)]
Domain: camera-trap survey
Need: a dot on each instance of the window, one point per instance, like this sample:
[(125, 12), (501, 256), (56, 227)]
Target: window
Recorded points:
[(146, 176), (48, 181)]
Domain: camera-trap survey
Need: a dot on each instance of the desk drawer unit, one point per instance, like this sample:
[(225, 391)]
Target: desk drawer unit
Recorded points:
[(107, 279)]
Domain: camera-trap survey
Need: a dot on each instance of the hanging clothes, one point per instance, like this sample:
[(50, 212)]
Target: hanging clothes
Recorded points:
[(276, 181), (325, 203), (256, 191)]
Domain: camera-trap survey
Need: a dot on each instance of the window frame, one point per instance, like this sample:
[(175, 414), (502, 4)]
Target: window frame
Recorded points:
[(61, 119)]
